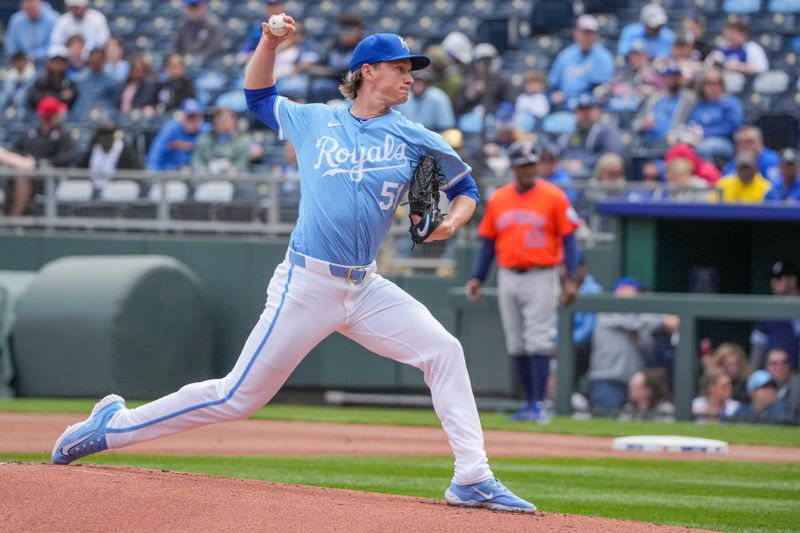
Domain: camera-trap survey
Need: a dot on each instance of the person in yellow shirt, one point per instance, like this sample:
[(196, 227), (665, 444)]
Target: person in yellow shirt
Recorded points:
[(747, 185)]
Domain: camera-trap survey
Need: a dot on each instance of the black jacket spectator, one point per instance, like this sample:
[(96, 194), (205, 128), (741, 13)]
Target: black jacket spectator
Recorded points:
[(54, 82)]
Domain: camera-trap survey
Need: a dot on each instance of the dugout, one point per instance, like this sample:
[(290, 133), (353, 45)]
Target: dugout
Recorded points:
[(139, 326)]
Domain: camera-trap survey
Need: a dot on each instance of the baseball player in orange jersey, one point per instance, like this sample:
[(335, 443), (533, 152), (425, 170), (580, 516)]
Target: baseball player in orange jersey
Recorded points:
[(529, 225)]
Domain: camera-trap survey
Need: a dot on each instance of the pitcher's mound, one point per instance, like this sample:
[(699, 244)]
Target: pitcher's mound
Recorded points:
[(40, 497)]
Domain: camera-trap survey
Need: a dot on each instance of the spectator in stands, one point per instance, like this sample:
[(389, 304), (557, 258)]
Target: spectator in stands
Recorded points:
[(271, 7), (484, 89), (610, 169), (551, 170), (620, 344), (685, 56), (96, 88), (580, 67), (116, 65), (200, 33), (81, 20), (29, 30), (108, 152), (750, 139), (739, 53), (177, 86), (48, 144), (334, 67), (532, 103), (680, 173), (54, 82), (715, 402), (583, 321), (702, 169), (648, 397), (695, 24), (223, 149), (591, 138), (173, 145), (139, 90), (76, 58), (787, 187), (634, 82), (787, 381), (763, 407), (452, 62), (747, 185), (718, 114), (293, 60), (730, 358), (428, 105), (665, 110), (651, 30), (783, 334), (17, 82)]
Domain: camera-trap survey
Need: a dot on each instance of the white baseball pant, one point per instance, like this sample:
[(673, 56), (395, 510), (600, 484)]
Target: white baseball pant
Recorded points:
[(304, 305)]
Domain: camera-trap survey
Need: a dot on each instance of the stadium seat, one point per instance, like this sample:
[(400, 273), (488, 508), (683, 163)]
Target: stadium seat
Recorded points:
[(784, 6), (741, 6), (559, 123), (214, 191), (734, 81), (771, 82), (121, 191), (74, 190), (175, 191)]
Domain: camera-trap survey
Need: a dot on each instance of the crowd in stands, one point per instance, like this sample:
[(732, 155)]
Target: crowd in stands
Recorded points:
[(675, 97), (668, 93)]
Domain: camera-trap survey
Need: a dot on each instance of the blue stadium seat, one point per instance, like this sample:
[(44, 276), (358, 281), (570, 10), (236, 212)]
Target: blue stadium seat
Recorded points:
[(559, 123), (784, 6), (741, 6)]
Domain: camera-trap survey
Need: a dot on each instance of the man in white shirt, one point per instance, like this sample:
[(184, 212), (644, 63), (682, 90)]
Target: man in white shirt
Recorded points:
[(83, 20)]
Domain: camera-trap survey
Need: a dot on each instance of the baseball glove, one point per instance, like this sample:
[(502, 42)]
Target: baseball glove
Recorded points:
[(423, 199)]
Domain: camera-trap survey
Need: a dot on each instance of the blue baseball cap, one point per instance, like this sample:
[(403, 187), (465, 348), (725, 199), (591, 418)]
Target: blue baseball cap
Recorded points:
[(190, 106), (385, 47), (587, 100), (631, 282), (758, 379)]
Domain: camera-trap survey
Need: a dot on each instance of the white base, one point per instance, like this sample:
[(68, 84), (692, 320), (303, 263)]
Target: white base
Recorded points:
[(669, 444)]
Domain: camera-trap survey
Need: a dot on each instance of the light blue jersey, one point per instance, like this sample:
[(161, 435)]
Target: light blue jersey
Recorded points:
[(353, 173)]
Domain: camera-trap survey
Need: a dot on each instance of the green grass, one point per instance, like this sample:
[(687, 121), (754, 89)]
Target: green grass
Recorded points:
[(728, 496), (732, 433)]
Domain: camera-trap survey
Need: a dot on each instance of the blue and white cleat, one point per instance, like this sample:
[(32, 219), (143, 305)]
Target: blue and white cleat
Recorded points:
[(89, 436), (489, 494)]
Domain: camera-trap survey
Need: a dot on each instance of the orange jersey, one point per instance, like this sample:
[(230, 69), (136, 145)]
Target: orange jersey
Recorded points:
[(528, 228)]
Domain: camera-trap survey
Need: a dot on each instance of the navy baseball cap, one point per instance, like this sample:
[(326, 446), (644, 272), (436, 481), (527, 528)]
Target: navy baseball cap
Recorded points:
[(522, 153), (587, 100), (385, 47)]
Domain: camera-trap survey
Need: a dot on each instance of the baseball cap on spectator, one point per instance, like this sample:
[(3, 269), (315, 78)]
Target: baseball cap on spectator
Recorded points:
[(789, 155), (587, 100), (639, 46), (190, 106), (782, 268), (653, 16), (544, 147), (484, 51), (385, 47), (193, 2), (629, 281), (57, 50), (522, 153), (746, 159), (587, 23), (49, 106), (76, 3), (671, 70), (458, 46), (274, 2), (758, 379)]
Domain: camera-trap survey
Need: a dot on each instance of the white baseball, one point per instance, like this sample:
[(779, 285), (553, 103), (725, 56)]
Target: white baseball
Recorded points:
[(277, 26)]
